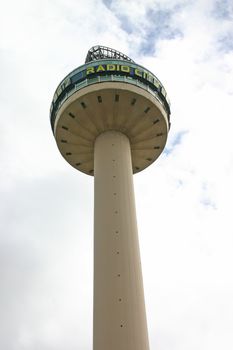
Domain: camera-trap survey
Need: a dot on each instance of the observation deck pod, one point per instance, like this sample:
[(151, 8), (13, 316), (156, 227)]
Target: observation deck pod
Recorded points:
[(110, 92)]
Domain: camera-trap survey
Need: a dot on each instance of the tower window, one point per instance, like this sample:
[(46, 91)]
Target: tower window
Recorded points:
[(117, 98), (147, 110), (99, 99), (64, 127), (83, 105), (71, 115), (133, 101)]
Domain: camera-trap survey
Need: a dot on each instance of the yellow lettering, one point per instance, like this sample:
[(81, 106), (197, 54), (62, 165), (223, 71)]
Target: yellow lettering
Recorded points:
[(90, 70), (111, 67), (125, 69), (118, 67), (100, 69), (138, 72), (145, 76)]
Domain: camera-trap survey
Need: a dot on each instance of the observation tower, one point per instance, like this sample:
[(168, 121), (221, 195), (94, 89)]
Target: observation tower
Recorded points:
[(110, 118)]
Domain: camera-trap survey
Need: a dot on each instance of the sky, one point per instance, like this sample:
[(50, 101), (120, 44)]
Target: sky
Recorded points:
[(184, 200)]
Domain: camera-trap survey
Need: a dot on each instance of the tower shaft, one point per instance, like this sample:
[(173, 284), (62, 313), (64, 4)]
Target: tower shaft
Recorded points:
[(119, 308)]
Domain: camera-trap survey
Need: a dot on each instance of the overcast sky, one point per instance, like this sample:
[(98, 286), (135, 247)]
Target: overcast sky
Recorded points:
[(184, 200)]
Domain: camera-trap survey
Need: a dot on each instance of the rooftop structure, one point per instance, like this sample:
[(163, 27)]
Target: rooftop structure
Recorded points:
[(102, 52)]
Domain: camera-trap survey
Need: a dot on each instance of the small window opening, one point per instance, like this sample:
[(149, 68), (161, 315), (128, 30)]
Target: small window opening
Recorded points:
[(71, 115), (133, 101)]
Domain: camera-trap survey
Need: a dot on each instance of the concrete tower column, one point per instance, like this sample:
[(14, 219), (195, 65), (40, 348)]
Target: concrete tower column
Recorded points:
[(119, 308), (110, 118)]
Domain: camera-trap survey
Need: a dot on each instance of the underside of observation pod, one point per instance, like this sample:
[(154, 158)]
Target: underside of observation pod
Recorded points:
[(110, 94)]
